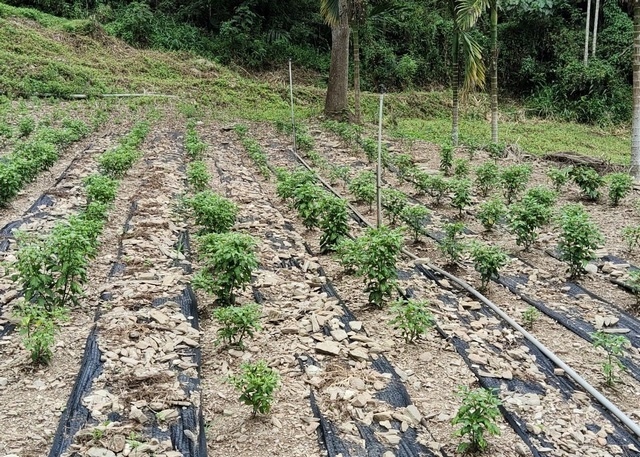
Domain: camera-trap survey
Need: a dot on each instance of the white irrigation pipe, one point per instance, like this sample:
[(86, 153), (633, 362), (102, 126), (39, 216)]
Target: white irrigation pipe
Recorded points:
[(554, 358), (293, 119)]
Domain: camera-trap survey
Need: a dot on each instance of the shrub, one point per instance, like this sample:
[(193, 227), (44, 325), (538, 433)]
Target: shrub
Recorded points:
[(634, 284), (438, 186), (460, 168), (374, 257), (490, 212), (333, 222), (477, 416), (289, 182), (257, 384), (405, 165), (487, 177), (529, 317), (394, 201), (488, 261), (559, 177), (100, 189), (579, 238), (38, 329), (214, 213), (415, 217), (26, 126), (306, 200), (194, 147), (588, 180), (338, 173), (198, 176), (451, 244), (525, 218), (631, 236), (348, 253), (412, 317), (514, 180), (542, 196), (236, 323), (461, 194), (116, 163), (10, 182), (446, 159), (363, 187), (620, 184), (228, 261), (613, 345)]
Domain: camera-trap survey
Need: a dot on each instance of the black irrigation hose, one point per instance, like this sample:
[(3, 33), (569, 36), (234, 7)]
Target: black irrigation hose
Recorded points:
[(595, 393)]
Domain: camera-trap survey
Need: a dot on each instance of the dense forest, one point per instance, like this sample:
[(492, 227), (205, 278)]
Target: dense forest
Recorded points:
[(403, 43)]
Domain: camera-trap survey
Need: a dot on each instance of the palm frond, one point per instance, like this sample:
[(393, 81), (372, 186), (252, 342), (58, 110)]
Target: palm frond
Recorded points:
[(468, 12), (474, 75), (330, 11)]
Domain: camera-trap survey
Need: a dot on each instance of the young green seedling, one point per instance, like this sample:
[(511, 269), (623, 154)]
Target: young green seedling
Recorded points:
[(257, 384), (613, 345), (237, 322), (477, 415), (579, 238), (415, 217), (412, 318)]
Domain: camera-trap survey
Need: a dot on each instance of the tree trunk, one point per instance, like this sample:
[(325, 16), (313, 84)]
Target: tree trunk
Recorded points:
[(336, 103), (455, 88), (595, 29), (586, 34), (356, 74), (635, 128), (494, 71)]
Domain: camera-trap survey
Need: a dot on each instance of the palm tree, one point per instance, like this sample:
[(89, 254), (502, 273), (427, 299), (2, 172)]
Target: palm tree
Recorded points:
[(635, 127), (469, 11), (336, 14), (474, 72)]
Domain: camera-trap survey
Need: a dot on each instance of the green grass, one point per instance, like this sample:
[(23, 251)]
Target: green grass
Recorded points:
[(535, 136)]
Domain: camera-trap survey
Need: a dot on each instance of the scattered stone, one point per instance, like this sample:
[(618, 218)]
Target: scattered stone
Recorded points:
[(382, 416), (158, 316), (117, 443), (339, 334), (558, 372), (3, 382), (357, 383), (328, 347), (100, 452), (426, 357), (138, 415), (235, 353), (413, 414), (356, 326), (359, 353)]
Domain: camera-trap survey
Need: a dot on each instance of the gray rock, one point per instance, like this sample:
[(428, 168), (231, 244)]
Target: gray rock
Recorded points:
[(328, 347), (100, 452)]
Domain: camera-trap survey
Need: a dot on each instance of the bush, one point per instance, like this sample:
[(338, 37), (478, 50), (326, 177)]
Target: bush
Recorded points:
[(415, 217), (490, 213), (198, 176), (524, 219), (228, 261), (256, 384), (588, 180), (100, 189), (631, 236), (514, 180), (487, 177), (333, 222), (446, 159), (306, 200), (117, 162), (26, 126), (460, 168), (620, 184), (435, 186), (133, 24), (394, 201), (412, 317), (488, 261), (214, 213), (461, 194), (363, 187), (236, 323), (374, 257), (559, 177), (451, 244), (612, 344), (289, 182), (477, 416), (10, 182), (579, 238)]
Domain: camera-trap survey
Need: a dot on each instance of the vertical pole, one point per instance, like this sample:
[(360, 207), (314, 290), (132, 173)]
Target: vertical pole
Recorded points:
[(379, 174), (293, 119)]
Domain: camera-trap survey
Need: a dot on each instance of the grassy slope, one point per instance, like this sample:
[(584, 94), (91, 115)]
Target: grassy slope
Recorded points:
[(48, 55)]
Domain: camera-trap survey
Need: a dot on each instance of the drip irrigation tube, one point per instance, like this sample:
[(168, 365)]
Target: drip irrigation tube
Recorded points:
[(463, 284)]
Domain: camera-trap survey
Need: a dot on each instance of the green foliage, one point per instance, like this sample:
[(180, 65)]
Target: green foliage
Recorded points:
[(338, 173), (559, 177), (363, 187), (228, 260), (26, 126), (134, 24), (117, 162), (477, 416), (633, 282), (451, 245), (10, 182), (631, 236), (525, 218), (412, 318), (435, 186), (588, 180), (193, 145), (254, 150), (460, 168), (579, 238), (461, 194), (514, 179), (415, 217), (613, 345), (237, 322), (487, 178), (529, 317), (446, 159), (542, 196), (488, 261), (307, 200), (620, 184), (373, 256), (38, 329), (257, 384), (490, 212), (214, 213), (198, 176), (394, 201), (100, 189), (496, 150), (406, 166), (333, 222), (289, 182)]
